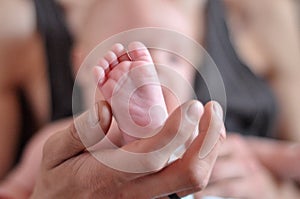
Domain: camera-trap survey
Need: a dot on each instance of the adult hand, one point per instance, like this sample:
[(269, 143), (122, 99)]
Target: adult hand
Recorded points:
[(69, 171), (238, 174), (21, 180), (286, 154)]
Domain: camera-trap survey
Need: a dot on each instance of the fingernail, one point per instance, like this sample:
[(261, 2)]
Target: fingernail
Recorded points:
[(193, 112), (88, 128), (218, 110), (214, 131)]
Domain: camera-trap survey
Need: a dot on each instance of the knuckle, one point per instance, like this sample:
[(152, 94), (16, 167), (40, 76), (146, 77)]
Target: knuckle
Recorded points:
[(197, 176)]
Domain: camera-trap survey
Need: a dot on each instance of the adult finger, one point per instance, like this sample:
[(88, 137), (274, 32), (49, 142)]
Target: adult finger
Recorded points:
[(230, 168), (234, 145), (86, 130), (152, 154), (233, 188), (191, 173), (202, 154)]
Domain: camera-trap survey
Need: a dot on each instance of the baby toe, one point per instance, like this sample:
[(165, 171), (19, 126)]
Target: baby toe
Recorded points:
[(139, 52)]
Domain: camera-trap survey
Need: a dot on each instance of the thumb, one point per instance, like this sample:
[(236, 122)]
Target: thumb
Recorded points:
[(86, 130)]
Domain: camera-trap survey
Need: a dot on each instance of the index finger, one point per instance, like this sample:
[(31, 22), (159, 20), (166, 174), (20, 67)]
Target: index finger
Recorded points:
[(86, 130)]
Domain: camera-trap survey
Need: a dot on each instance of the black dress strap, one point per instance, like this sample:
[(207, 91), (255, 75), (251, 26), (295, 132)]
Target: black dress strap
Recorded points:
[(58, 44), (251, 106)]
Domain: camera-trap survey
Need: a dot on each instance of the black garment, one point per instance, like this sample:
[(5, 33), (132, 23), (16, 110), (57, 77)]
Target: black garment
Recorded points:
[(58, 44), (251, 107)]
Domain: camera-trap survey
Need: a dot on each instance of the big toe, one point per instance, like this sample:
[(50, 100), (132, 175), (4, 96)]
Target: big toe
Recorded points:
[(139, 52)]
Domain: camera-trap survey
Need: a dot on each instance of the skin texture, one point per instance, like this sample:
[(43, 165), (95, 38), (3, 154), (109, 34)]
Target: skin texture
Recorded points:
[(26, 70), (140, 90), (64, 154), (67, 145), (29, 57), (92, 179), (20, 182)]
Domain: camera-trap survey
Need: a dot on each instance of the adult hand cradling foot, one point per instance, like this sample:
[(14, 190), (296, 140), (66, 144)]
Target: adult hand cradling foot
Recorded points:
[(68, 170)]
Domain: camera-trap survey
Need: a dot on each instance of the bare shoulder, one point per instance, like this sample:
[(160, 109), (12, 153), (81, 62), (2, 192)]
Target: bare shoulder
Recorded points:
[(19, 57), (17, 19), (17, 33)]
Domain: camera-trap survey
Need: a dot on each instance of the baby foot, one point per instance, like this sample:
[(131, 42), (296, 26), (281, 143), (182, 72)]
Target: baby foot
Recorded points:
[(129, 82)]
